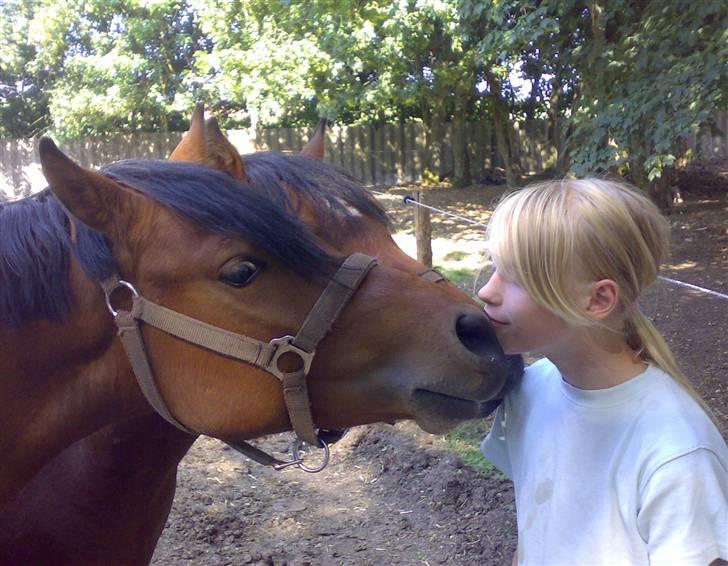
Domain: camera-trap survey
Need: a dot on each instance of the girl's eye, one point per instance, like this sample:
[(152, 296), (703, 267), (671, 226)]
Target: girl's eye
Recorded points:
[(239, 272)]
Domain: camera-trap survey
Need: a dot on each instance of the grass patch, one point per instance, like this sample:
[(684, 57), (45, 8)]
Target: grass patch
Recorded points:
[(461, 276), (456, 256), (465, 442)]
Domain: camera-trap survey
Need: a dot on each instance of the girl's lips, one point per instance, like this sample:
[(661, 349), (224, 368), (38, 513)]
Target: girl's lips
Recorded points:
[(495, 321)]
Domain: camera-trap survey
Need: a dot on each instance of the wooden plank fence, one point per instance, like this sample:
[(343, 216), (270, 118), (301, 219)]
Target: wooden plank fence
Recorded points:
[(396, 153), (20, 171), (384, 155)]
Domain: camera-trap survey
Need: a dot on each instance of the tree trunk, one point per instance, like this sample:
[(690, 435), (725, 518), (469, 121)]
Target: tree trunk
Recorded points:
[(461, 161), (660, 189), (597, 24), (434, 126), (427, 127), (506, 136), (559, 135)]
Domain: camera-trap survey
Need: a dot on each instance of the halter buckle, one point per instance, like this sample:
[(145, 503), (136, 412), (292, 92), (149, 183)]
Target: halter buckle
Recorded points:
[(284, 345)]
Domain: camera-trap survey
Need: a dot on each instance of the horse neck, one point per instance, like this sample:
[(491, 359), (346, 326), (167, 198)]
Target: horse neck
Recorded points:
[(134, 454), (94, 490), (64, 379)]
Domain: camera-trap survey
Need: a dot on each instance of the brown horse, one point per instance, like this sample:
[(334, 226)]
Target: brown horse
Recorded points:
[(134, 463)]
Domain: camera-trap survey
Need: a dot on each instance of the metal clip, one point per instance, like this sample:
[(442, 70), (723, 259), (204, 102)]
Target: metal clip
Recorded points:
[(298, 458), (109, 290)]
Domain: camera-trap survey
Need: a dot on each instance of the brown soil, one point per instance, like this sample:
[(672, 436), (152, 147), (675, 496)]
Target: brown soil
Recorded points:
[(395, 495)]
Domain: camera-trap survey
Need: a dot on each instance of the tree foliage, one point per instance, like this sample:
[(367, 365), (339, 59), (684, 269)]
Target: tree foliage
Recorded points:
[(621, 83), (98, 66), (651, 74), (23, 89)]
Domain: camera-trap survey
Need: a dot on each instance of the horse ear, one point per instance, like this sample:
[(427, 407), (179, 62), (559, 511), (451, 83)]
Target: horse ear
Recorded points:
[(221, 154), (192, 147), (315, 146), (92, 198), (205, 143)]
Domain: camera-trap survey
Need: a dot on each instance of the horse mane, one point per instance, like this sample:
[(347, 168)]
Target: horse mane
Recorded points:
[(334, 193), (35, 243), (35, 240)]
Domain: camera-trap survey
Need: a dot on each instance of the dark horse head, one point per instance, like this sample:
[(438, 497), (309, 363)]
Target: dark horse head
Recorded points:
[(94, 489), (250, 256)]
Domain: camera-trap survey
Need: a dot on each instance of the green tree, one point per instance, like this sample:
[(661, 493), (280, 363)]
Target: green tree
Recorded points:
[(287, 63), (106, 66), (529, 41), (354, 62), (622, 82), (652, 73), (23, 88)]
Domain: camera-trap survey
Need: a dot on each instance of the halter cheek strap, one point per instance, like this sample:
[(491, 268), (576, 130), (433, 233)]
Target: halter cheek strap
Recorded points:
[(432, 275), (265, 355)]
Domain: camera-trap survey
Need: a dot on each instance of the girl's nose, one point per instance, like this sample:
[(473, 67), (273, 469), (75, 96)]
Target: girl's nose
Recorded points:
[(489, 292)]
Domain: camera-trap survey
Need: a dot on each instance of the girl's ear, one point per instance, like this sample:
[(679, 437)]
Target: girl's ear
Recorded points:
[(603, 299)]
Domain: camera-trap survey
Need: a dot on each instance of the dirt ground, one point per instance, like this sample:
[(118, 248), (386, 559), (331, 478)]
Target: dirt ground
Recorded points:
[(395, 495)]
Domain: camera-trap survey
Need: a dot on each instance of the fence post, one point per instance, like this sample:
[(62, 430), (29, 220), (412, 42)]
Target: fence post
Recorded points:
[(423, 231)]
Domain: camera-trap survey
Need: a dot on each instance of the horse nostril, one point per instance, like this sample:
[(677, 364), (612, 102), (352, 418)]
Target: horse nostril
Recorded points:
[(477, 334)]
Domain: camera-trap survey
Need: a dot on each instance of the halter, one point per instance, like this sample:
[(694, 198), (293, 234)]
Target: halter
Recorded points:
[(265, 355)]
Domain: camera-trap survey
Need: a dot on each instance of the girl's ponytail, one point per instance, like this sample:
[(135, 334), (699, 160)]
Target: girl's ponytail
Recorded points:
[(650, 346)]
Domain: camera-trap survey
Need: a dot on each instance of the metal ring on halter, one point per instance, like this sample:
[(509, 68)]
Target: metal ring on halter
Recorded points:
[(108, 291), (297, 450), (284, 345)]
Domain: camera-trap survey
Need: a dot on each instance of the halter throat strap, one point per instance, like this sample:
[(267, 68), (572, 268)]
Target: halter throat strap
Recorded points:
[(265, 355)]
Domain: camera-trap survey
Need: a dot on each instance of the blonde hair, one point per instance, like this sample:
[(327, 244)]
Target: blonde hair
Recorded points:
[(550, 235)]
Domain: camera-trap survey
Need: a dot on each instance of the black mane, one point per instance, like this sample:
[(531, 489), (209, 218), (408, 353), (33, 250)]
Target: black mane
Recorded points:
[(35, 242)]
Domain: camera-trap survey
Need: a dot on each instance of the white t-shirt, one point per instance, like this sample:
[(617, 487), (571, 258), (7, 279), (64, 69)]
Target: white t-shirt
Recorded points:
[(632, 474)]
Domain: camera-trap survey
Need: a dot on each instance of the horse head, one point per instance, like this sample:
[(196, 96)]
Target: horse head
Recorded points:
[(236, 256), (369, 234)]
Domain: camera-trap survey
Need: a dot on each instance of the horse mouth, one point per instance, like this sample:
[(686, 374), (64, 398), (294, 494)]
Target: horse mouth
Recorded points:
[(437, 413)]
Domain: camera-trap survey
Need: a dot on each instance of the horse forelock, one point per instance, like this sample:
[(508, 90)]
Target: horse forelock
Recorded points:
[(220, 204), (35, 244), (338, 199)]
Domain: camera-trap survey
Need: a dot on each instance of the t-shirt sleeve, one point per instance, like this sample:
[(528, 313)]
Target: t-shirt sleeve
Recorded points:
[(495, 445), (683, 516)]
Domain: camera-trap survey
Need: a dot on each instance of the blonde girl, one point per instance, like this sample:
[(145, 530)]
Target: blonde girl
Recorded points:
[(612, 453)]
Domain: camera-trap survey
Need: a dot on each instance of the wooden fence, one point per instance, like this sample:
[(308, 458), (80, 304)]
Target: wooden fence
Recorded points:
[(20, 171), (396, 153), (384, 155)]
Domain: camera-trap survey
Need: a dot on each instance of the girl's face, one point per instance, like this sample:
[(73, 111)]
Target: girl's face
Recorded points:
[(521, 324)]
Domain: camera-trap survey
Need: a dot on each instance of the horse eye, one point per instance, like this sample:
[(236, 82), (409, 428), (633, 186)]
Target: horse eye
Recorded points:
[(239, 273)]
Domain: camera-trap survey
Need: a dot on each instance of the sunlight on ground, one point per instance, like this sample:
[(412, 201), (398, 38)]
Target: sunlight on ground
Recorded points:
[(682, 265), (286, 516), (459, 260)]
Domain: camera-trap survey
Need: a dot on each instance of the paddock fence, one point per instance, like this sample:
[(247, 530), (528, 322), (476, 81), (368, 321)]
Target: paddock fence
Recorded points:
[(385, 155)]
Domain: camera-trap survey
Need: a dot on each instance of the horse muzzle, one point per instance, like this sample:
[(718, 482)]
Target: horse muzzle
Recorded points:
[(437, 412)]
